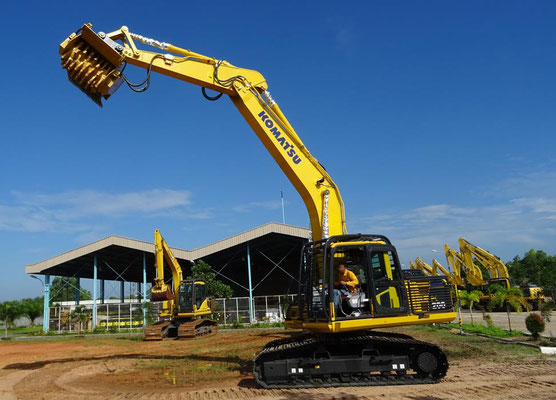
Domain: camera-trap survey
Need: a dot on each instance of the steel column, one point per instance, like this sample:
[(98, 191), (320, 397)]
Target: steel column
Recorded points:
[(46, 304), (122, 292), (95, 292), (101, 291), (144, 290), (251, 316), (77, 291)]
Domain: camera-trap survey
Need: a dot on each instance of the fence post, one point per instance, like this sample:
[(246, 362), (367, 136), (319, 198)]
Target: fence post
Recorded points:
[(237, 311), (144, 290), (224, 307), (266, 306)]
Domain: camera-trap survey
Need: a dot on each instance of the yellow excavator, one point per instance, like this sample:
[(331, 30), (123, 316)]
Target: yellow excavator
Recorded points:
[(185, 302), (498, 272), (340, 346)]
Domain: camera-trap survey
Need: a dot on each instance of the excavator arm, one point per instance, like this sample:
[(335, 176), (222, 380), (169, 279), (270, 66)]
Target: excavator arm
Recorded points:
[(496, 268), (95, 62), (160, 290), (454, 277), (423, 266), (436, 270), (457, 263)]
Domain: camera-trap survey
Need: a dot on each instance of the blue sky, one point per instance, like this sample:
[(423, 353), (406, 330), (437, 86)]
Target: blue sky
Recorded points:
[(436, 120)]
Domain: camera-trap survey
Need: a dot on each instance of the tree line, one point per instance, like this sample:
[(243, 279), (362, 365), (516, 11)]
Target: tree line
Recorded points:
[(535, 267), (10, 311)]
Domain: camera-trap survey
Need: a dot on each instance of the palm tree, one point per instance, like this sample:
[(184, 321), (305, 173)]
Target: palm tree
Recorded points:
[(512, 297), (468, 299), (82, 314)]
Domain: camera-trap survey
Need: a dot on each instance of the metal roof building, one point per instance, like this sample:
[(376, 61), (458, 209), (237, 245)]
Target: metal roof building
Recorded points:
[(260, 261)]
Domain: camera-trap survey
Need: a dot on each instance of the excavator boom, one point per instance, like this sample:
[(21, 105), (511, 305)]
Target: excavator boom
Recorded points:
[(95, 63)]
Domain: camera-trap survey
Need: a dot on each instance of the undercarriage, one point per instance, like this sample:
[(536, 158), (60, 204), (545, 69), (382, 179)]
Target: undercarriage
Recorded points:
[(181, 329), (367, 358)]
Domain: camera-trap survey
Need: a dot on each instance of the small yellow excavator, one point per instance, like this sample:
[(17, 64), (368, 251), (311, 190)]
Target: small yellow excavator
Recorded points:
[(341, 346), (185, 302)]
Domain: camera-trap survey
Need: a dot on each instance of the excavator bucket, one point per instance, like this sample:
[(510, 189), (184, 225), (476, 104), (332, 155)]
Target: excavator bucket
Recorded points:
[(161, 294), (92, 62)]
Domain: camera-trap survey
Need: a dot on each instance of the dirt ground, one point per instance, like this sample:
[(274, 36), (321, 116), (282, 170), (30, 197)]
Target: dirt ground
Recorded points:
[(219, 367)]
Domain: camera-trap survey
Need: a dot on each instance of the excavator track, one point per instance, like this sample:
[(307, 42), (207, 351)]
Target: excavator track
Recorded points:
[(359, 359), (197, 328), (180, 330), (156, 331)]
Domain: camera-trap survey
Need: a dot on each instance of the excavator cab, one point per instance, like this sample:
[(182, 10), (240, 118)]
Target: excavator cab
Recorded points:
[(384, 290), (372, 258), (192, 296)]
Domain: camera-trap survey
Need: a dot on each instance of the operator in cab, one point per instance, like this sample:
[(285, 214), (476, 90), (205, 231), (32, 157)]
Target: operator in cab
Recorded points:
[(347, 282)]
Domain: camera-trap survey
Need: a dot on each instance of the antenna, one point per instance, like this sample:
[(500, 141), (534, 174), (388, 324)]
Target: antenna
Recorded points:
[(283, 210)]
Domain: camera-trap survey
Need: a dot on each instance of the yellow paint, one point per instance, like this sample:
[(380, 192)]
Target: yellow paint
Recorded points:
[(371, 323)]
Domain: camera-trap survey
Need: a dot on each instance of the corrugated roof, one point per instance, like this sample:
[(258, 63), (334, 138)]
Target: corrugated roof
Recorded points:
[(148, 247)]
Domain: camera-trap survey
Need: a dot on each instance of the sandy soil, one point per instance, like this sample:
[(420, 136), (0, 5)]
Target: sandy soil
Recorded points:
[(219, 368)]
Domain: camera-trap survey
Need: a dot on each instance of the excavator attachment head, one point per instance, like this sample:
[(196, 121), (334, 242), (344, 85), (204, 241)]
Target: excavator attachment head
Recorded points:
[(160, 291), (92, 61)]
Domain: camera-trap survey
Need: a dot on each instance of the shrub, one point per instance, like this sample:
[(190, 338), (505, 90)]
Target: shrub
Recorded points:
[(535, 324)]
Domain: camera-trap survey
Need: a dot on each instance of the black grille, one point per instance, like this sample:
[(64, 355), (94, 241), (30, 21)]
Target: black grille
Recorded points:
[(429, 294)]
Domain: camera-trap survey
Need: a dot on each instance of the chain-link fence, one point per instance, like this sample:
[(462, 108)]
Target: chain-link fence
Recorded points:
[(118, 316), (110, 316), (265, 309)]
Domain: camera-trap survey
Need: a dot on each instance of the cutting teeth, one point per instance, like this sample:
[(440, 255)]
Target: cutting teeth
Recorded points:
[(89, 71)]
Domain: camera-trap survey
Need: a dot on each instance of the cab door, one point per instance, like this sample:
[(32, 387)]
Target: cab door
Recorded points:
[(387, 286)]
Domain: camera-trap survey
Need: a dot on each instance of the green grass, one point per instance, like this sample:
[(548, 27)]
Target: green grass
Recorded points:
[(258, 325), (24, 330), (488, 330), (462, 347)]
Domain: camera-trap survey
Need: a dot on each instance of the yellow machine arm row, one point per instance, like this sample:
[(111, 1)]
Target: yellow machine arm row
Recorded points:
[(472, 273), (496, 268), (498, 272), (95, 62), (437, 270), (455, 277)]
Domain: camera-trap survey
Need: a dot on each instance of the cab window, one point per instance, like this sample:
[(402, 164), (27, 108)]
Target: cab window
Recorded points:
[(200, 294)]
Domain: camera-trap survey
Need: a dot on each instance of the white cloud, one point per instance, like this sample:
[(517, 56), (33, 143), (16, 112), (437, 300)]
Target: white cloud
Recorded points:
[(507, 229), (516, 214), (266, 205), (78, 211), (90, 202)]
